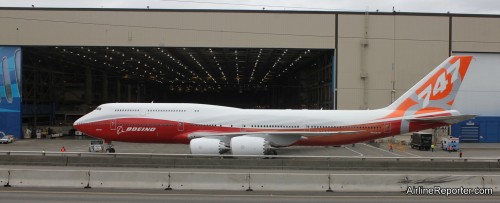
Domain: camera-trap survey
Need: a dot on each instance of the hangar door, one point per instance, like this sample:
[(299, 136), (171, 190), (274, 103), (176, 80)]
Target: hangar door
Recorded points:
[(479, 95), (469, 133)]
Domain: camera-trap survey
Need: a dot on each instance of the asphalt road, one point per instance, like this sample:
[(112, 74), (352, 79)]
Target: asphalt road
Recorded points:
[(27, 195)]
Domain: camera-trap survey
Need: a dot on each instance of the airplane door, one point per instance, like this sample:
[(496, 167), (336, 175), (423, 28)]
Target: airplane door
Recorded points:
[(113, 125), (242, 127), (387, 127), (180, 126)]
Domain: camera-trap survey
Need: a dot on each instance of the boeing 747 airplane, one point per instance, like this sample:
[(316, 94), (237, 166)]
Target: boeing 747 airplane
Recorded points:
[(210, 129)]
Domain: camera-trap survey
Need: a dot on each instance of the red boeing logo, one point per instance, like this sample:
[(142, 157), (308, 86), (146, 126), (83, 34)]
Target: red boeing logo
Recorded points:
[(119, 129)]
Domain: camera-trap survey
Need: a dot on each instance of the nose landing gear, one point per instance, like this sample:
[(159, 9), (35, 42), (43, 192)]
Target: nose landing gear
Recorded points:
[(109, 147)]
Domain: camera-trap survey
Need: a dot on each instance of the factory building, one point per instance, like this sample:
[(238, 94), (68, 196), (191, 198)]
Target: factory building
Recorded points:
[(76, 59)]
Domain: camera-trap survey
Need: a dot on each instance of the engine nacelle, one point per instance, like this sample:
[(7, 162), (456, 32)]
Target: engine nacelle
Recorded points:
[(207, 146), (246, 145)]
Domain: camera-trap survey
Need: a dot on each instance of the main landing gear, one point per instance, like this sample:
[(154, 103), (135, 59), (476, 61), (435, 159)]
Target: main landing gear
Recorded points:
[(272, 152)]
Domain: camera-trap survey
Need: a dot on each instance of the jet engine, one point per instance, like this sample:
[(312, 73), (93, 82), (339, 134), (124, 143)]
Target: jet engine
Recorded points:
[(207, 146), (246, 145)]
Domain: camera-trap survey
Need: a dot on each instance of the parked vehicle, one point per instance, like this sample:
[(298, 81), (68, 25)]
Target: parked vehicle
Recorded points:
[(422, 141), (6, 139), (96, 146), (450, 144)]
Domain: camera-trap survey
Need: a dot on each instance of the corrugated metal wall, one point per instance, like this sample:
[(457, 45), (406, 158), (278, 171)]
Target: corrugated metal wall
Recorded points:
[(379, 55), (488, 130)]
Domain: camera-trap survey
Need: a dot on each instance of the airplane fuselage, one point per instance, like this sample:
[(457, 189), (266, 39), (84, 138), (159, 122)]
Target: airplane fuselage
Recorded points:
[(210, 129), (179, 123)]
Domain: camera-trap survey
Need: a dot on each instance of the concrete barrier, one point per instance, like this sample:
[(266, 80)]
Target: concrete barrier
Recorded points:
[(367, 182), (228, 163), (289, 182), (400, 182), (308, 164), (111, 161), (209, 181), (164, 180), (34, 160), (48, 178), (129, 179), (163, 162), (152, 161), (241, 181), (492, 182), (454, 181), (4, 177), (133, 161)]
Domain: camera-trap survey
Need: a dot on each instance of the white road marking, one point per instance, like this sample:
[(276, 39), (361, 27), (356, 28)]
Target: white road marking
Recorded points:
[(410, 153), (352, 150), (374, 153), (382, 149)]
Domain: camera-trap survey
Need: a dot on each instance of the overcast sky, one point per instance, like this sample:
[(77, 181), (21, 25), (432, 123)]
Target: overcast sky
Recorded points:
[(429, 6)]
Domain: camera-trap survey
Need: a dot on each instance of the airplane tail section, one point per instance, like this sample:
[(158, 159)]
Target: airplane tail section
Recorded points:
[(435, 92)]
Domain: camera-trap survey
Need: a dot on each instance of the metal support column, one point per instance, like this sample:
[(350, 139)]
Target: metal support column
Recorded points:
[(332, 90), (104, 87), (138, 93), (88, 86), (118, 91), (129, 93)]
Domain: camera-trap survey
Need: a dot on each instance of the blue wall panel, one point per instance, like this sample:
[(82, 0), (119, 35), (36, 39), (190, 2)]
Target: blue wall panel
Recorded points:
[(489, 128), (10, 91)]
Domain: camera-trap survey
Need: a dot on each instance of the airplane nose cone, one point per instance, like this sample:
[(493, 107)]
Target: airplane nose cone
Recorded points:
[(77, 123)]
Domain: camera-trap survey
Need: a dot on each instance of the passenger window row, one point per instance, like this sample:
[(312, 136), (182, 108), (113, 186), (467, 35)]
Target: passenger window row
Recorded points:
[(204, 125), (274, 126), (167, 110), (368, 127), (128, 110)]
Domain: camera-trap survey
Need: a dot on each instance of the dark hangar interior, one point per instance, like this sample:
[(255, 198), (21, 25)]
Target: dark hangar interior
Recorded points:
[(62, 83)]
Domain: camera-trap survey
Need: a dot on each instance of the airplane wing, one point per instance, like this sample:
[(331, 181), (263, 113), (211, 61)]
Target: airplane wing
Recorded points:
[(445, 119), (301, 133)]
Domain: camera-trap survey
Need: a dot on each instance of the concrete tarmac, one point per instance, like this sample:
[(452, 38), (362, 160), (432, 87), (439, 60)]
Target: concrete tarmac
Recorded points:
[(234, 170), (54, 195), (361, 149)]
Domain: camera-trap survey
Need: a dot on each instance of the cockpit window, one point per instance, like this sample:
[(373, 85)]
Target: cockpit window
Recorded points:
[(98, 108)]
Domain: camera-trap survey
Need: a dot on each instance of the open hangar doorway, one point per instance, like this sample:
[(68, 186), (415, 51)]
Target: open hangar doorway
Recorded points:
[(62, 83)]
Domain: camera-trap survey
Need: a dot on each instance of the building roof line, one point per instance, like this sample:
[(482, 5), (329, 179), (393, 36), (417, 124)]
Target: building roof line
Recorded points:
[(251, 11)]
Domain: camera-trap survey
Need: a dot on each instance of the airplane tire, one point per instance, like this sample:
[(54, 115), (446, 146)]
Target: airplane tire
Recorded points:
[(110, 150)]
